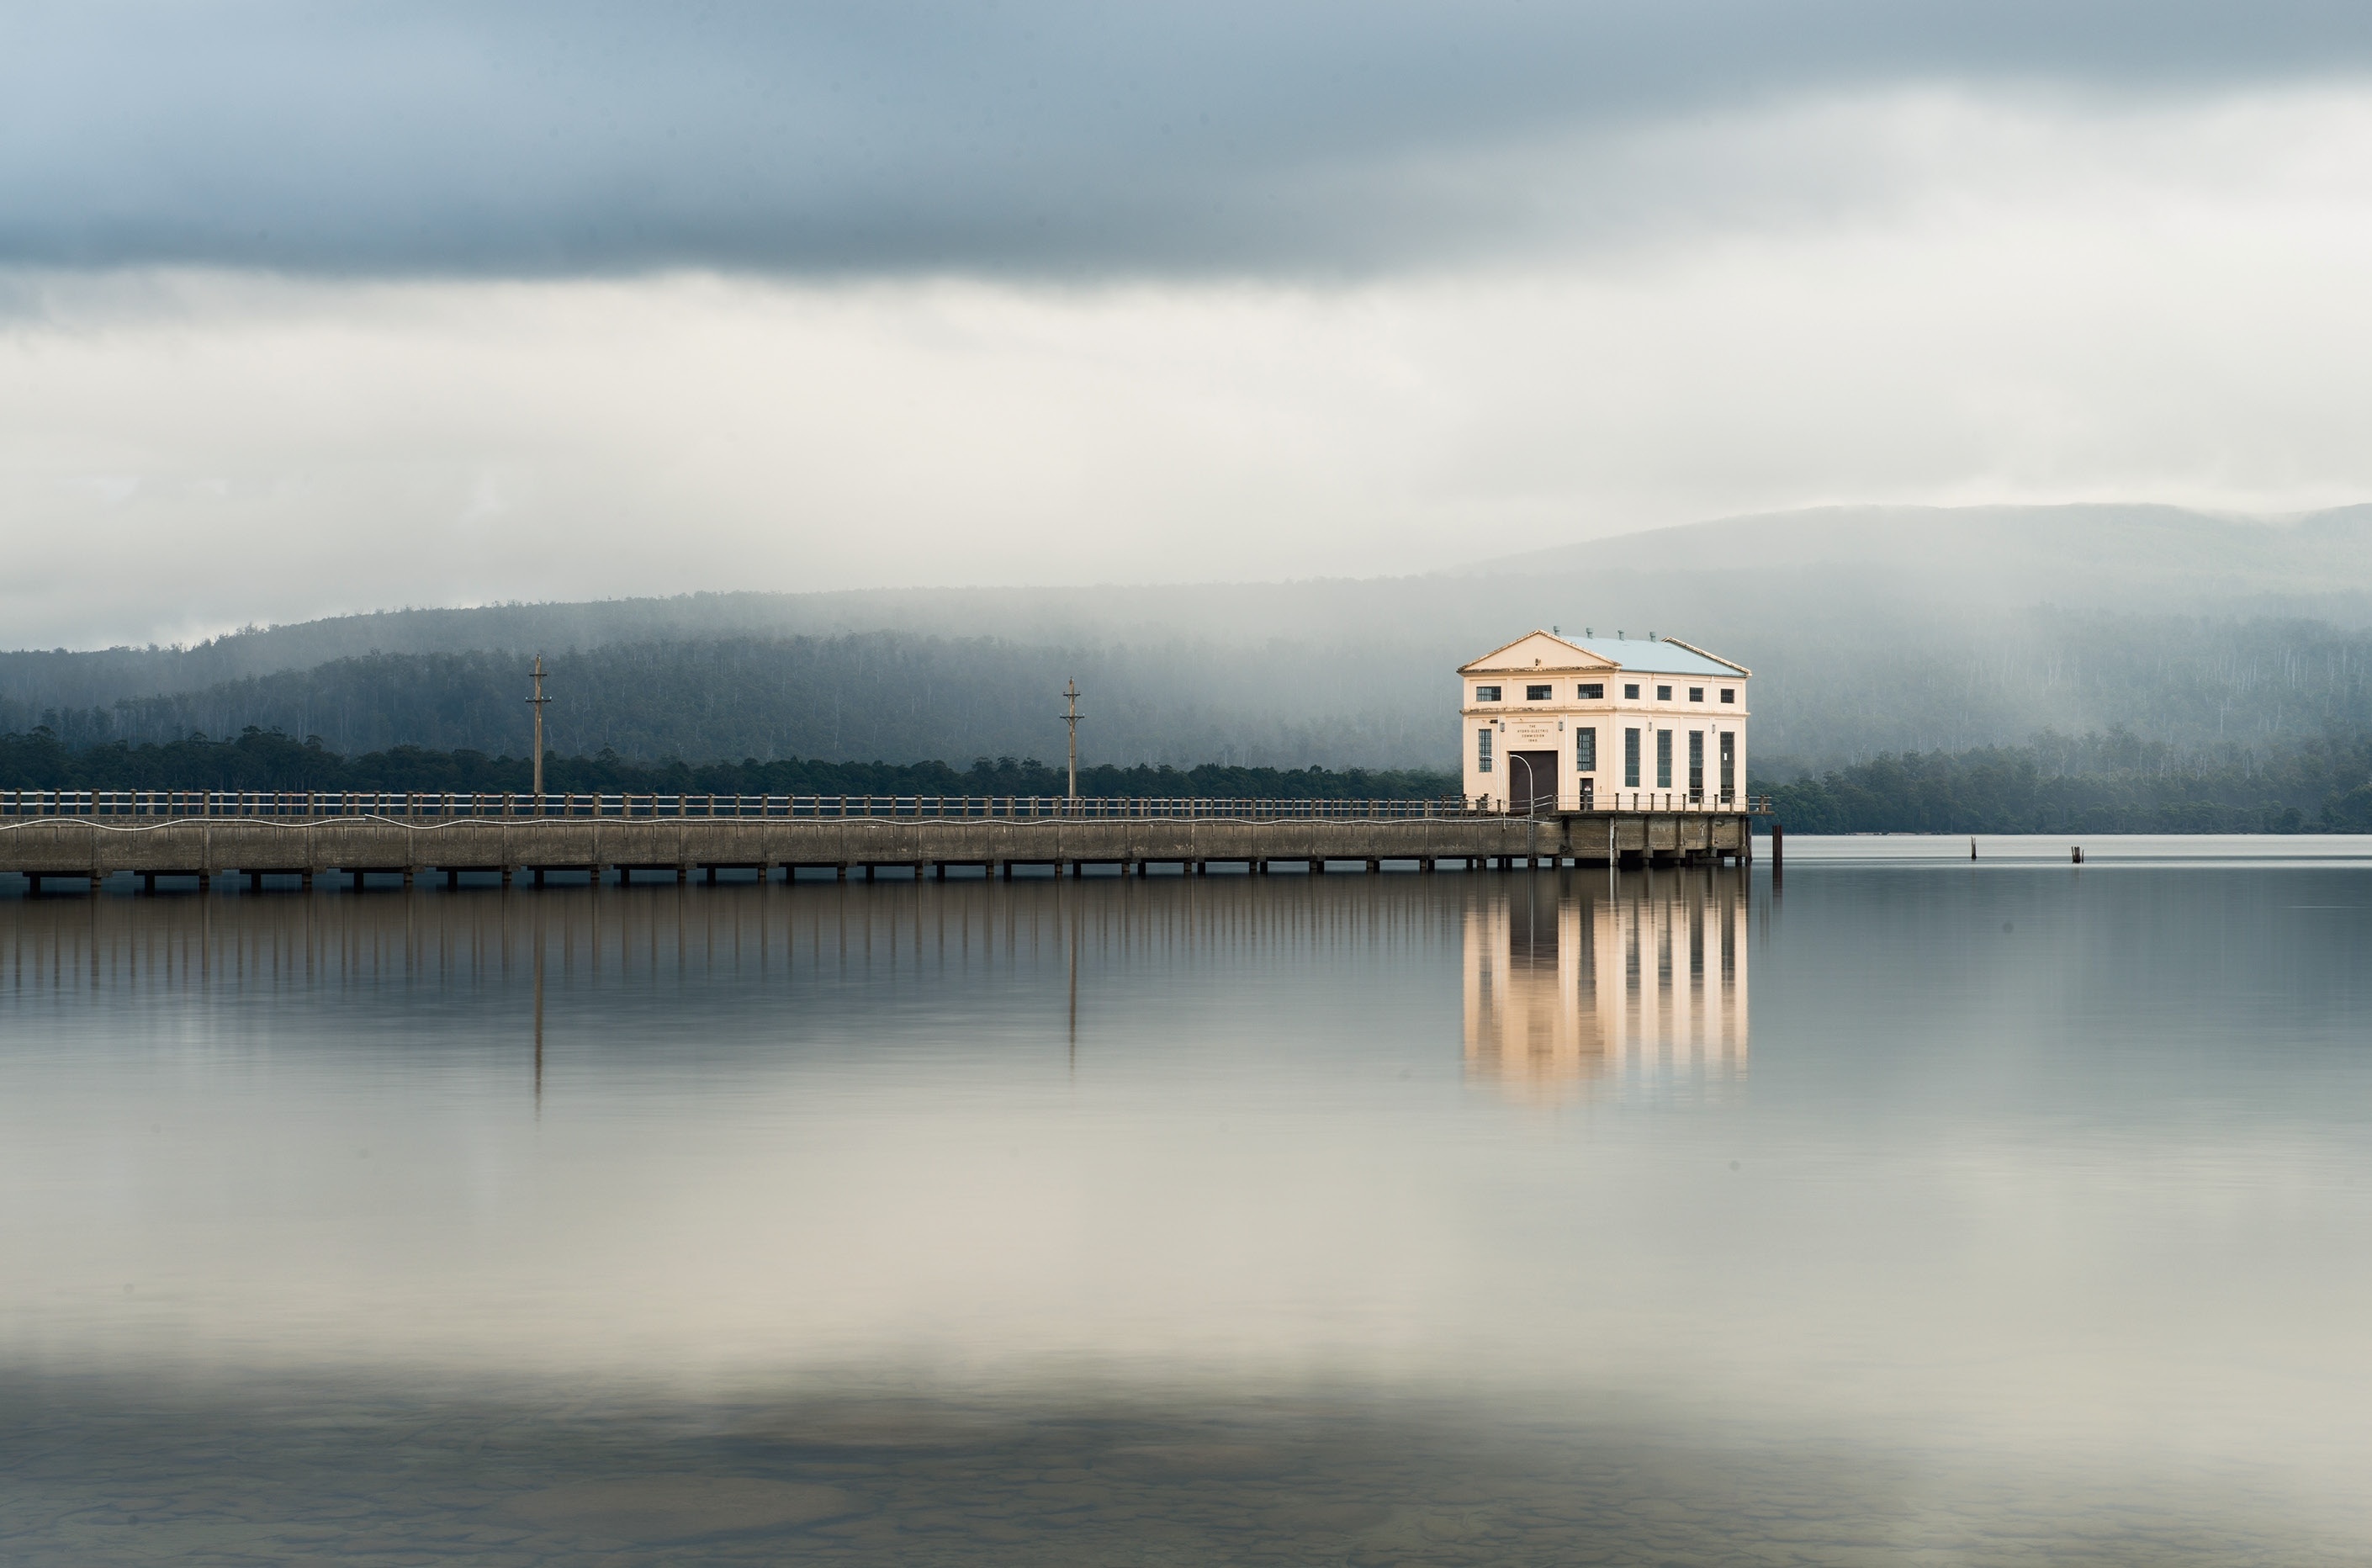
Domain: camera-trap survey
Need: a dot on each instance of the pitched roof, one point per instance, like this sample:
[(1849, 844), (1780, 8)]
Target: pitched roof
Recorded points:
[(1660, 655), (1536, 650)]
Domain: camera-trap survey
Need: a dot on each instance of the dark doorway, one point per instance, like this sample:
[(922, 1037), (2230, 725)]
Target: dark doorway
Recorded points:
[(1531, 781)]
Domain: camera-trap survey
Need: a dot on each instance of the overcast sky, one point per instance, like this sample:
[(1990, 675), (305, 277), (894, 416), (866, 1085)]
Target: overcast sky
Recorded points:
[(312, 307)]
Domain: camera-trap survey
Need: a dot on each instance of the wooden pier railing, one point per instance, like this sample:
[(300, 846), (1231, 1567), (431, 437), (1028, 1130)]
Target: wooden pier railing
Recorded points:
[(417, 805)]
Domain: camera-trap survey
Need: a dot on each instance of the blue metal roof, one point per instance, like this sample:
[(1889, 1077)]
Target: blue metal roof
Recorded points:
[(1653, 657)]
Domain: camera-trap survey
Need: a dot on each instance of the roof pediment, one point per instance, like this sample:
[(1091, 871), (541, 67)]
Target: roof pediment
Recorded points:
[(1536, 651)]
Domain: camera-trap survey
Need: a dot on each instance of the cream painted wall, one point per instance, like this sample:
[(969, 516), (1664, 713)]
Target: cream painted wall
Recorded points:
[(1518, 725)]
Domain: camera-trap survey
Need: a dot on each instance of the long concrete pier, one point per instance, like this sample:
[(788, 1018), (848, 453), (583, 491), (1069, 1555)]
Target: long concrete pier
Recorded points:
[(90, 849)]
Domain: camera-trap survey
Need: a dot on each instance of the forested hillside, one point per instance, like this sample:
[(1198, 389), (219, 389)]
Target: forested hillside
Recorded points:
[(2102, 784), (1823, 699), (871, 695), (261, 759), (2113, 783), (1869, 632)]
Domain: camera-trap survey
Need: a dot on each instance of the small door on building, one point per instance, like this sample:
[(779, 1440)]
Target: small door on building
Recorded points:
[(1589, 794), (1531, 781)]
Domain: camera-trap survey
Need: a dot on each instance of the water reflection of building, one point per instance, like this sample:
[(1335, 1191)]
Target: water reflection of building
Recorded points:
[(1577, 987)]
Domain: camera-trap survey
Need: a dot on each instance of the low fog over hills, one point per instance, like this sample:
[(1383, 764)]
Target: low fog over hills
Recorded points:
[(1869, 630)]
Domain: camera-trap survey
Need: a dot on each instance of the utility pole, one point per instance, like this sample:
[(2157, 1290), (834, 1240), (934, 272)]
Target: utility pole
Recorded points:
[(1072, 718), (536, 703)]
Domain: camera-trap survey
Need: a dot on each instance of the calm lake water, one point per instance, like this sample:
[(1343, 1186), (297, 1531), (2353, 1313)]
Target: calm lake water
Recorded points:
[(1908, 1210)]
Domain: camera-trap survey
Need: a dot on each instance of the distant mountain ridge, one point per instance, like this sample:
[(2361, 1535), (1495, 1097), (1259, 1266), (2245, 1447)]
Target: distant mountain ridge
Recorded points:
[(1869, 628)]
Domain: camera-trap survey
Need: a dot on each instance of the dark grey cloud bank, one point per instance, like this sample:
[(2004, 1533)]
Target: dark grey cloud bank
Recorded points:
[(1040, 137)]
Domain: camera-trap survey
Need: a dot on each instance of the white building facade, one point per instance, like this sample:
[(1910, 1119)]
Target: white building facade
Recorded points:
[(1550, 723)]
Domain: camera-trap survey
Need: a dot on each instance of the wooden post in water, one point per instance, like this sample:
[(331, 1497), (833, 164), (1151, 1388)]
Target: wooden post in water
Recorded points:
[(1778, 847)]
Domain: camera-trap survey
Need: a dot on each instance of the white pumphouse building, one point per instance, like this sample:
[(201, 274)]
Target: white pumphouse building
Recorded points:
[(1601, 724)]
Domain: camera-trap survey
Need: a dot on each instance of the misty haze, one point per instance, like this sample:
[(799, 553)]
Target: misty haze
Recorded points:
[(1328, 783)]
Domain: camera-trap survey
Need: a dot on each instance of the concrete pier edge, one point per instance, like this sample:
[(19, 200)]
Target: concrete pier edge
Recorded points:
[(68, 848)]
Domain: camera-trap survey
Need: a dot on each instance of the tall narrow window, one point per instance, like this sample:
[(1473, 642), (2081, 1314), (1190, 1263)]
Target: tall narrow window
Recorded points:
[(1729, 765), (1663, 759), (1482, 751), (1630, 759), (1584, 750), (1696, 764)]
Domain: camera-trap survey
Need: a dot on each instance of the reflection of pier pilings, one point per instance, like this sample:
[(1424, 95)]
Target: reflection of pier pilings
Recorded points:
[(1575, 983), (521, 961)]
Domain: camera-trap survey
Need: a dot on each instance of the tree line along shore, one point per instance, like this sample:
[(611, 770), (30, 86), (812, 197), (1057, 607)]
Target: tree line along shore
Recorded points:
[(268, 760), (2113, 783)]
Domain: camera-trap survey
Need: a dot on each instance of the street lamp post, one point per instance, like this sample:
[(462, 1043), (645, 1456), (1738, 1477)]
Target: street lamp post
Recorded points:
[(536, 704), (1070, 689)]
